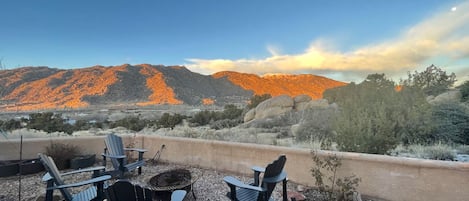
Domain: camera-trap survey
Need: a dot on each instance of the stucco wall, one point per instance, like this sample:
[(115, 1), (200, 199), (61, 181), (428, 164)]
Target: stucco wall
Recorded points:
[(384, 177)]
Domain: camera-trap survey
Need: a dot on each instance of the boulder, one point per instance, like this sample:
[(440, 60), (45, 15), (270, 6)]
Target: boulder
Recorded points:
[(302, 98), (250, 115), (320, 103), (301, 102), (294, 129), (274, 106)]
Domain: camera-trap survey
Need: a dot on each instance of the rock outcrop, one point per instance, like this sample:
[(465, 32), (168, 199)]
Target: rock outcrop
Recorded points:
[(281, 104), (274, 106)]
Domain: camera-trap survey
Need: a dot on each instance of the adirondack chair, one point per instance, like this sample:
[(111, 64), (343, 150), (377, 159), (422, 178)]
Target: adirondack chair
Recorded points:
[(116, 152), (260, 190), (123, 190), (54, 181)]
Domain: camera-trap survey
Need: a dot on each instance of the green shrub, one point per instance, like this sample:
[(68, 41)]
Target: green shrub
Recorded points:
[(131, 123), (437, 151), (170, 121), (10, 125), (49, 122), (205, 117), (225, 123), (230, 111), (373, 117), (464, 89), (333, 186), (62, 153), (432, 81), (451, 122), (316, 125), (440, 152), (256, 99)]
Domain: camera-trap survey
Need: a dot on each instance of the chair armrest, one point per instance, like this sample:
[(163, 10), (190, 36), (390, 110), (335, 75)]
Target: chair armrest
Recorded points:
[(114, 156), (233, 181), (258, 169), (97, 168), (280, 177), (90, 181), (135, 149), (178, 195)]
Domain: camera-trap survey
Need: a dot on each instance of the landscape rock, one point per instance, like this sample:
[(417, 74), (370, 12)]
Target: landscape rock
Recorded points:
[(274, 106), (302, 98), (320, 103), (250, 115), (294, 129)]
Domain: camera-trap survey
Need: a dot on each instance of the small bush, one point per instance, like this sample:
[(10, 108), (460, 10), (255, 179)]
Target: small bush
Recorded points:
[(49, 122), (434, 152), (464, 89), (334, 187), (131, 123), (316, 125), (10, 125), (256, 99), (225, 123), (62, 153), (440, 152), (170, 121)]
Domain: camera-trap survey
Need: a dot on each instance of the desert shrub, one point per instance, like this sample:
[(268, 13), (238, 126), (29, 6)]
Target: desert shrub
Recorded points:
[(436, 151), (333, 186), (462, 149), (131, 123), (374, 117), (10, 125), (225, 123), (451, 123), (205, 117), (170, 121), (49, 122), (440, 152), (464, 89), (256, 99), (230, 111), (432, 81), (62, 153), (316, 125)]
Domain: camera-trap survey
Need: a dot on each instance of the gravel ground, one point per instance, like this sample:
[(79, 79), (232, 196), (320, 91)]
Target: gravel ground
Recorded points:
[(209, 185)]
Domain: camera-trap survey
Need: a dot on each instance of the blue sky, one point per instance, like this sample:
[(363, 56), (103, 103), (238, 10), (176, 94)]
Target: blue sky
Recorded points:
[(344, 40)]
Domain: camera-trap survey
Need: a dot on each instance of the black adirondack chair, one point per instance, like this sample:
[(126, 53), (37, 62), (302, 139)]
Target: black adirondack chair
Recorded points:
[(116, 152), (54, 181), (123, 190), (260, 190)]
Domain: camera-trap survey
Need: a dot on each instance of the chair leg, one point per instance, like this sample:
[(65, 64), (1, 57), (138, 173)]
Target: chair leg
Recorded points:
[(284, 186), (49, 193)]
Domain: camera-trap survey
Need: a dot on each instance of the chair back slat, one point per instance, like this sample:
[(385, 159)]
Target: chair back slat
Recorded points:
[(273, 169), (115, 146), (53, 171)]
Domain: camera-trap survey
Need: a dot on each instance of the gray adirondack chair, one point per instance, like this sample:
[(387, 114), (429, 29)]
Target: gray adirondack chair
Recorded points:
[(260, 190), (123, 190), (54, 181), (116, 152)]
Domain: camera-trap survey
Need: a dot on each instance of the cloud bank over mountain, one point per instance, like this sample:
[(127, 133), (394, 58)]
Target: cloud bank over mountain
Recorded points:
[(441, 39)]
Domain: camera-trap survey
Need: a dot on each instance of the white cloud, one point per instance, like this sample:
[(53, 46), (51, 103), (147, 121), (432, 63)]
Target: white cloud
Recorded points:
[(446, 34)]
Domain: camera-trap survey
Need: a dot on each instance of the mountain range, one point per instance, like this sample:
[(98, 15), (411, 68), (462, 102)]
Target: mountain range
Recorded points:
[(33, 88)]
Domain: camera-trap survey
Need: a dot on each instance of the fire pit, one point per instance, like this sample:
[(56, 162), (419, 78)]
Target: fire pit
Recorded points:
[(165, 183)]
